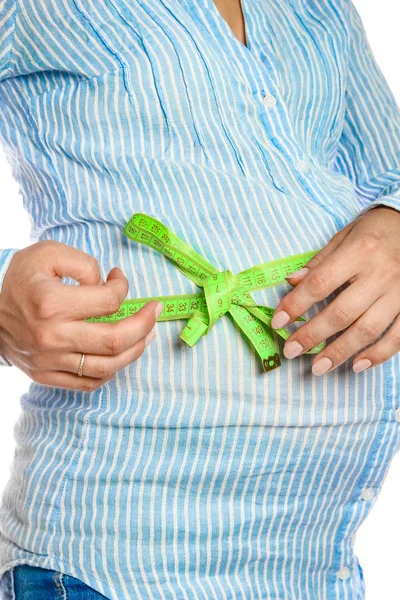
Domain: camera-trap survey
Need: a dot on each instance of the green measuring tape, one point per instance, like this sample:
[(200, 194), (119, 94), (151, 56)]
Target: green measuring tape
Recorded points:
[(222, 292)]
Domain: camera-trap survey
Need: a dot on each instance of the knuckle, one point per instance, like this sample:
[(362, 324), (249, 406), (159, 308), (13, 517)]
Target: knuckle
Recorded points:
[(43, 339), (43, 249), (45, 244), (291, 305), (114, 343), (341, 316), (316, 259), (104, 371), (92, 264), (37, 298), (45, 306), (368, 329), (112, 303), (309, 338), (317, 282), (369, 241), (338, 353)]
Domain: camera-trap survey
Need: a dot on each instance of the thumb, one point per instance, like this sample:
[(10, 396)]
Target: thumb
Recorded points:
[(115, 273), (117, 281)]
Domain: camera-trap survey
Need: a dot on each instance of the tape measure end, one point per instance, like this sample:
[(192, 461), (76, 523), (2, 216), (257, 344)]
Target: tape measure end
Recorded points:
[(271, 363)]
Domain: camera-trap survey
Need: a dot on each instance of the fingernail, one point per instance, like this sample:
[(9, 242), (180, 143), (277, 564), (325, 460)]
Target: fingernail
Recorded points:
[(362, 364), (280, 319), (292, 349), (321, 366), (149, 337), (159, 309), (299, 273)]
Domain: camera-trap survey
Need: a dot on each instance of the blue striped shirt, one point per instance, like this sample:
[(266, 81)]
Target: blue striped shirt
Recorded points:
[(192, 474)]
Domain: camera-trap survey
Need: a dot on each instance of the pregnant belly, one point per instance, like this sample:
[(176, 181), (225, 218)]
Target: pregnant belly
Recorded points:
[(219, 381)]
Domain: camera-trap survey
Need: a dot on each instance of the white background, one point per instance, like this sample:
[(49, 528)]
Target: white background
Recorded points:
[(377, 543)]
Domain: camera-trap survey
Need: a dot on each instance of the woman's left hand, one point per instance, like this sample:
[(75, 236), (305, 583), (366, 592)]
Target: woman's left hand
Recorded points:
[(366, 254)]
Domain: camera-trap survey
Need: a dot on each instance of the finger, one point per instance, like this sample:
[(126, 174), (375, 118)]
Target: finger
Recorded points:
[(329, 248), (67, 261), (108, 338), (113, 293), (105, 367), (296, 277), (381, 351), (71, 302), (348, 306), (363, 332), (68, 381), (321, 281)]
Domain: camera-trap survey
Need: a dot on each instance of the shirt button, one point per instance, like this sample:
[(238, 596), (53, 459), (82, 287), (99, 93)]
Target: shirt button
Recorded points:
[(303, 165), (343, 573), (367, 494), (269, 100), (397, 415)]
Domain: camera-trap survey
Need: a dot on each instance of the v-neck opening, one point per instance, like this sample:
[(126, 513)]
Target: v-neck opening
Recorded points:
[(207, 16), (218, 16)]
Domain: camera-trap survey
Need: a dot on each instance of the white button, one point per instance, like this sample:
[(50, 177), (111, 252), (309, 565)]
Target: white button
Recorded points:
[(269, 100), (367, 494), (303, 165), (343, 573), (397, 415)]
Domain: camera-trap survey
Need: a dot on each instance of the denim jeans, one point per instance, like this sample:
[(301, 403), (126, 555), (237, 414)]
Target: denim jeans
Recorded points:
[(25, 582)]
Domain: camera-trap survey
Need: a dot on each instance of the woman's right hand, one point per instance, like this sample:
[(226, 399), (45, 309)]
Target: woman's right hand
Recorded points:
[(42, 326)]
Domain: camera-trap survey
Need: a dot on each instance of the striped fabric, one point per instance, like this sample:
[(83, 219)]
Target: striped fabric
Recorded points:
[(192, 474)]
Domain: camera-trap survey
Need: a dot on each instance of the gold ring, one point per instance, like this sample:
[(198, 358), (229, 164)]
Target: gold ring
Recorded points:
[(80, 370)]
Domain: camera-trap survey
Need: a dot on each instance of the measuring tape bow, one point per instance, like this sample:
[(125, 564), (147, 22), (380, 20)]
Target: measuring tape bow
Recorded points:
[(223, 292)]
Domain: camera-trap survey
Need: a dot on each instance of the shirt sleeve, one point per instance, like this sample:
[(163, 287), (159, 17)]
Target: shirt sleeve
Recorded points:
[(369, 147), (8, 14), (5, 259)]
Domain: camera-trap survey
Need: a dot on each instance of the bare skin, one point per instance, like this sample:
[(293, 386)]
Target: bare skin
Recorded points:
[(231, 12)]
